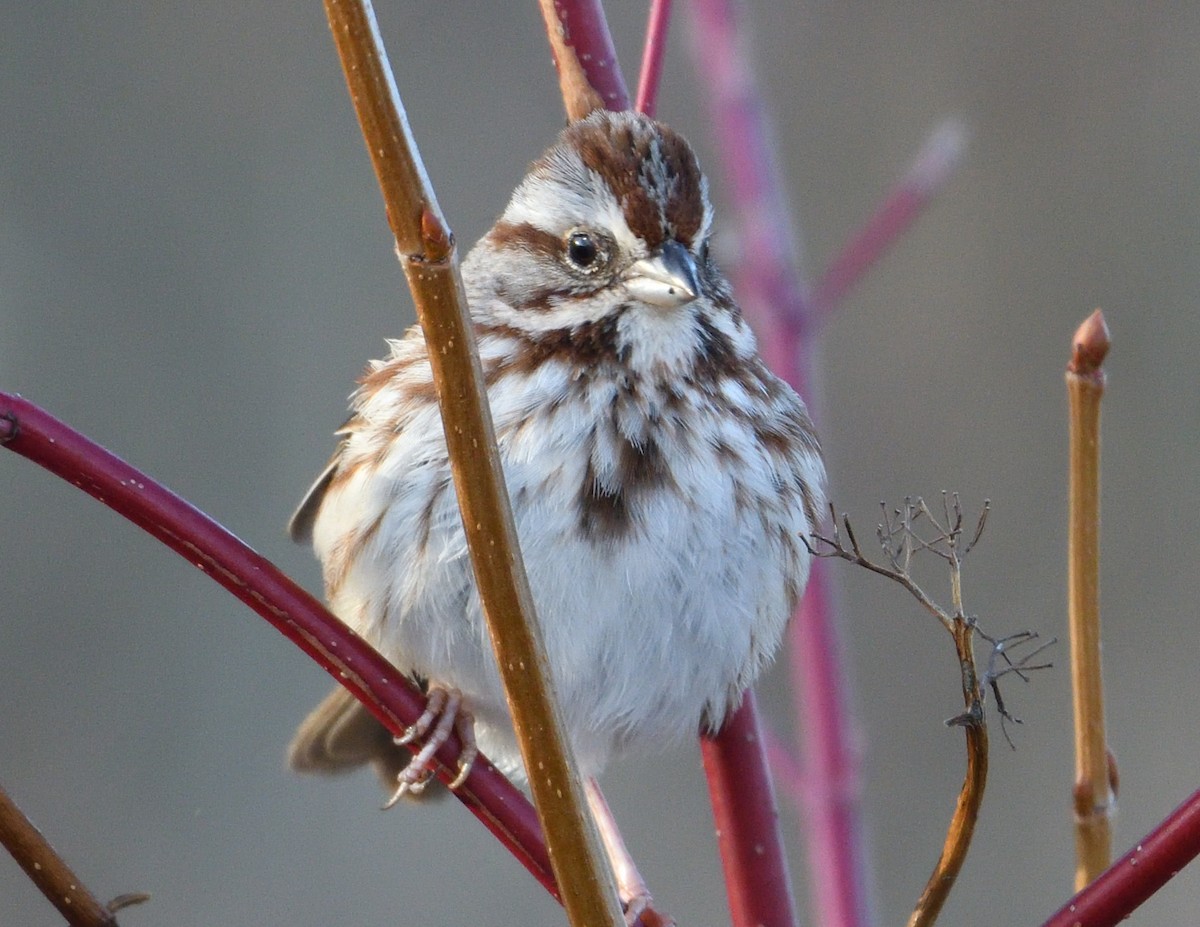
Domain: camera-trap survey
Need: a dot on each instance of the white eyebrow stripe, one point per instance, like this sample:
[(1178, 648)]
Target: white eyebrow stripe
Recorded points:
[(565, 194)]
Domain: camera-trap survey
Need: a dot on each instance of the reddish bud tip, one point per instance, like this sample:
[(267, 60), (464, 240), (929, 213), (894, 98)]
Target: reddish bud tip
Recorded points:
[(435, 236), (1091, 346)]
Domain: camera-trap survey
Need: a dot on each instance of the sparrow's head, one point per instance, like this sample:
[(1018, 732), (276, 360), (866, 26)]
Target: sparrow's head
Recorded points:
[(615, 214)]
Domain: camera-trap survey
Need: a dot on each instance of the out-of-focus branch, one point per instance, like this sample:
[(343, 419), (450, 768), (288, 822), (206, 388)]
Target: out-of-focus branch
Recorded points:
[(934, 165), (653, 53), (427, 253), (1152, 863), (584, 57), (1095, 779), (393, 699), (771, 291), (50, 872)]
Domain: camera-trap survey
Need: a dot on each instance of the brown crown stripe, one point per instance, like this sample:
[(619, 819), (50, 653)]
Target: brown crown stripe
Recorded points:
[(619, 152), (685, 208)]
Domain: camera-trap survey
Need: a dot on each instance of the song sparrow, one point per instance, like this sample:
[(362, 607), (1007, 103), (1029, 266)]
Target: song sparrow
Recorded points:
[(661, 477)]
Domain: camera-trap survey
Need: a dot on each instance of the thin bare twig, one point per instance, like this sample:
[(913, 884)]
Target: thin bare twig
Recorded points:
[(933, 166), (653, 53), (902, 533), (426, 249), (49, 871), (1094, 793)]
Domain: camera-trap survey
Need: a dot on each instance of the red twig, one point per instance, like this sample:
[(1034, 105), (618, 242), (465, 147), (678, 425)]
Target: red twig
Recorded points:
[(767, 274), (584, 56), (1138, 874), (772, 293), (748, 836), (653, 53), (933, 166), (33, 433)]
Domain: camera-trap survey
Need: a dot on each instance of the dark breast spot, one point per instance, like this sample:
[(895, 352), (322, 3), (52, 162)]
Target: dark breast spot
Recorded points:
[(611, 505)]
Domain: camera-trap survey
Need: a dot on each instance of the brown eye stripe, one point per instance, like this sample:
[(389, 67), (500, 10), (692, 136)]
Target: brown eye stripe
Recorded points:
[(527, 237)]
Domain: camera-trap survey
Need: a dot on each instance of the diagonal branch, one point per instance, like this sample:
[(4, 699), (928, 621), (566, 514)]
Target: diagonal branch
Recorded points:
[(1155, 860), (51, 874), (393, 699), (427, 253)]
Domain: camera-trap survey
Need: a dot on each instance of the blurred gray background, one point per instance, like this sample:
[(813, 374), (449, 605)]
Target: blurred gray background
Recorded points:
[(194, 267)]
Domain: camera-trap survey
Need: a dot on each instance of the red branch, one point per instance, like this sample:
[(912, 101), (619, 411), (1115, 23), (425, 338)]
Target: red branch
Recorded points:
[(653, 53), (1137, 875), (772, 293), (934, 165), (584, 56), (33, 433), (747, 820)]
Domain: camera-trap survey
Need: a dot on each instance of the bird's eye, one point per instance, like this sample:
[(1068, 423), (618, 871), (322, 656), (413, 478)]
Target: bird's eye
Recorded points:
[(582, 250)]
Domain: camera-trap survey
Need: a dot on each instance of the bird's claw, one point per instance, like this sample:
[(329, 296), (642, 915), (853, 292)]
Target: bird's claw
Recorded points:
[(444, 713)]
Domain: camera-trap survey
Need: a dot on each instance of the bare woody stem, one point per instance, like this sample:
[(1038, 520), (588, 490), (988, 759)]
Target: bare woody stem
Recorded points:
[(427, 253), (48, 871), (584, 56), (1095, 779), (970, 797)]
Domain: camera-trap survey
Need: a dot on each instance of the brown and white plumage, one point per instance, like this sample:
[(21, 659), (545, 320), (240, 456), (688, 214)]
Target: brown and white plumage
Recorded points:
[(661, 477)]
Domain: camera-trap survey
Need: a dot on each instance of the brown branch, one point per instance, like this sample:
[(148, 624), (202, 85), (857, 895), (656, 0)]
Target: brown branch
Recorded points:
[(1094, 791), (584, 56), (427, 253), (970, 797), (50, 872)]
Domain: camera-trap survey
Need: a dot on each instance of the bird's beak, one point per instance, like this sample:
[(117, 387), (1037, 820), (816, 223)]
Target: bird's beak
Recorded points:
[(667, 278)]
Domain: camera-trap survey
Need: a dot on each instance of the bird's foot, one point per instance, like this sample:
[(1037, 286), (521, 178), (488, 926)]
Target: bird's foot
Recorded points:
[(444, 713)]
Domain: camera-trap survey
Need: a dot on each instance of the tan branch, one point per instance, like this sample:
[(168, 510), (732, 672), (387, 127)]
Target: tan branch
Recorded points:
[(970, 796), (427, 253), (1094, 793)]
